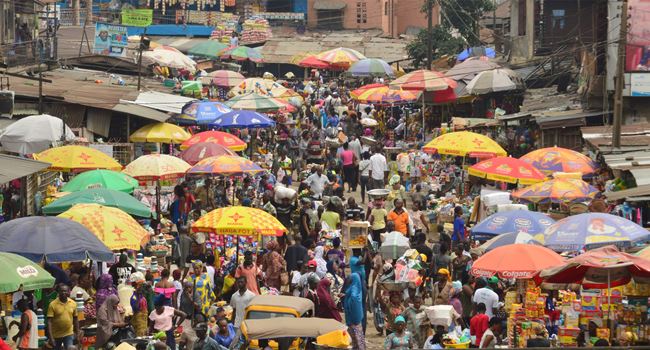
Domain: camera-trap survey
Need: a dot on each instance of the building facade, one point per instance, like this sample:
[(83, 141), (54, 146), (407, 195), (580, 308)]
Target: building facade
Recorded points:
[(393, 17)]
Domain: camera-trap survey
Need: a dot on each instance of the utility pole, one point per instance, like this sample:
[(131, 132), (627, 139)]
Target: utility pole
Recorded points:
[(430, 30), (141, 47), (620, 79)]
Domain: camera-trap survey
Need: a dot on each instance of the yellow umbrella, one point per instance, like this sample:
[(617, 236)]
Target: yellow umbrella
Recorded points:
[(160, 133), (239, 221), (77, 158), (154, 167), (115, 228), (465, 143)]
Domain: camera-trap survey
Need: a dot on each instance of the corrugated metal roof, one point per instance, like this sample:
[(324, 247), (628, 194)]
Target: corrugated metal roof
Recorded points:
[(15, 167), (641, 175), (629, 160), (629, 193), (633, 137), (160, 101)]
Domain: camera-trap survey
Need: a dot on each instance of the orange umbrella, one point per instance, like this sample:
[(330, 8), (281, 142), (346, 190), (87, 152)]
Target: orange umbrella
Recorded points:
[(155, 167), (223, 138), (516, 261)]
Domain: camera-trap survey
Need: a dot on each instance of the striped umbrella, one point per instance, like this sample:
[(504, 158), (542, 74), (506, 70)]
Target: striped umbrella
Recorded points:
[(254, 102), (386, 95), (313, 62), (341, 56), (371, 67), (224, 165), (557, 191), (209, 49), (243, 53), (219, 137), (355, 93), (224, 78), (557, 159), (424, 80)]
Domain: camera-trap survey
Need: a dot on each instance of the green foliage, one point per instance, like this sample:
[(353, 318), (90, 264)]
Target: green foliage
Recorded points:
[(443, 44)]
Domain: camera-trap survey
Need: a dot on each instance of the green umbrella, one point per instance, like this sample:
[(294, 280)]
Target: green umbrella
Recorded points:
[(21, 272), (101, 179), (103, 196), (209, 49)]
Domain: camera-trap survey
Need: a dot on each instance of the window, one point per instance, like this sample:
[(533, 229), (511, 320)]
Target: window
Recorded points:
[(362, 14), (558, 19), (386, 8)]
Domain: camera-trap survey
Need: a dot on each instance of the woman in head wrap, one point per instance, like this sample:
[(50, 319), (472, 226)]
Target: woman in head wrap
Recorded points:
[(203, 289), (396, 191), (354, 311), (336, 281), (139, 305), (109, 317), (442, 288), (249, 270), (326, 307), (105, 289), (456, 289), (321, 267), (273, 265)]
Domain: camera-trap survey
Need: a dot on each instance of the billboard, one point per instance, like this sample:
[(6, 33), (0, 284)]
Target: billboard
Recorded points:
[(110, 40), (137, 18), (637, 50)]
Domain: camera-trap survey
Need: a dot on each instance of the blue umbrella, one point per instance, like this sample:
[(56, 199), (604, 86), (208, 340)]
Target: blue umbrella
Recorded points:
[(591, 230), (202, 112), (51, 239), (243, 119), (509, 238), (477, 51), (530, 222)]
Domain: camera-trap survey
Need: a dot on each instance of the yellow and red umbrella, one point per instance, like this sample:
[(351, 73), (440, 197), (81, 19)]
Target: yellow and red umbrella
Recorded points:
[(160, 133), (154, 167), (356, 92), (424, 80), (465, 143), (219, 137), (557, 159), (239, 221), (507, 169), (341, 56), (115, 228), (386, 95), (224, 165), (77, 158), (560, 190)]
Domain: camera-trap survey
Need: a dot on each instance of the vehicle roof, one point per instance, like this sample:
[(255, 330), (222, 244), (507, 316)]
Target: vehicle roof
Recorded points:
[(300, 305), (289, 327)]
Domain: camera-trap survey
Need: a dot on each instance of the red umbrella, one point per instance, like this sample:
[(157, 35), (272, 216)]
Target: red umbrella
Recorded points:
[(600, 268), (313, 62), (202, 150), (357, 92), (515, 261)]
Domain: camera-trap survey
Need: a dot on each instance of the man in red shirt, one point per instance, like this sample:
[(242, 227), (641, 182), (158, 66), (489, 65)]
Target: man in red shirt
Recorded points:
[(479, 324)]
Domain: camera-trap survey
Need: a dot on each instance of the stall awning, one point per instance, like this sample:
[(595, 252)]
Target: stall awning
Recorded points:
[(641, 176), (161, 101), (16, 167), (139, 111), (329, 5), (640, 191)]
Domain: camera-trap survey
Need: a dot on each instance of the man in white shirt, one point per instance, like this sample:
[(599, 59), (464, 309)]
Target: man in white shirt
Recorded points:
[(487, 296), (317, 182), (240, 300), (378, 169)]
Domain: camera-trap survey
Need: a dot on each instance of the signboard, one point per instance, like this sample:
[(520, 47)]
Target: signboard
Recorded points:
[(137, 18), (637, 50), (110, 40), (640, 84)]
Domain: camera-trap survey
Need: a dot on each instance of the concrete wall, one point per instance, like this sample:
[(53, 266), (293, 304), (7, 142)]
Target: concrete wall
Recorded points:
[(393, 17)]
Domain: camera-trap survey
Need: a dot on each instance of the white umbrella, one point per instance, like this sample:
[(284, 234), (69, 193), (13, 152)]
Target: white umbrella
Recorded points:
[(35, 134), (170, 58), (494, 81)]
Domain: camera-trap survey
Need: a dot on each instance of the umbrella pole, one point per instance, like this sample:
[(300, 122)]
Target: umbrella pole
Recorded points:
[(158, 211), (609, 303), (424, 132)]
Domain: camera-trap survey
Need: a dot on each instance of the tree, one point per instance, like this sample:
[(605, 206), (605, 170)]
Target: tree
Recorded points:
[(443, 44), (458, 16)]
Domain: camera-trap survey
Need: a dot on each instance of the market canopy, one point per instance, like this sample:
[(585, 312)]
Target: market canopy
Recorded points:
[(210, 49), (600, 268), (561, 190), (313, 62), (507, 169), (223, 78), (464, 143), (114, 227), (557, 159), (77, 158), (160, 133), (515, 261), (103, 196), (371, 67), (507, 239), (512, 221), (202, 112), (101, 179), (225, 165), (34, 134), (15, 167), (341, 56), (424, 80), (495, 80), (254, 102), (242, 53), (219, 137), (156, 167), (51, 239), (239, 221), (166, 57), (386, 95), (469, 68), (591, 230), (19, 273), (243, 119)]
